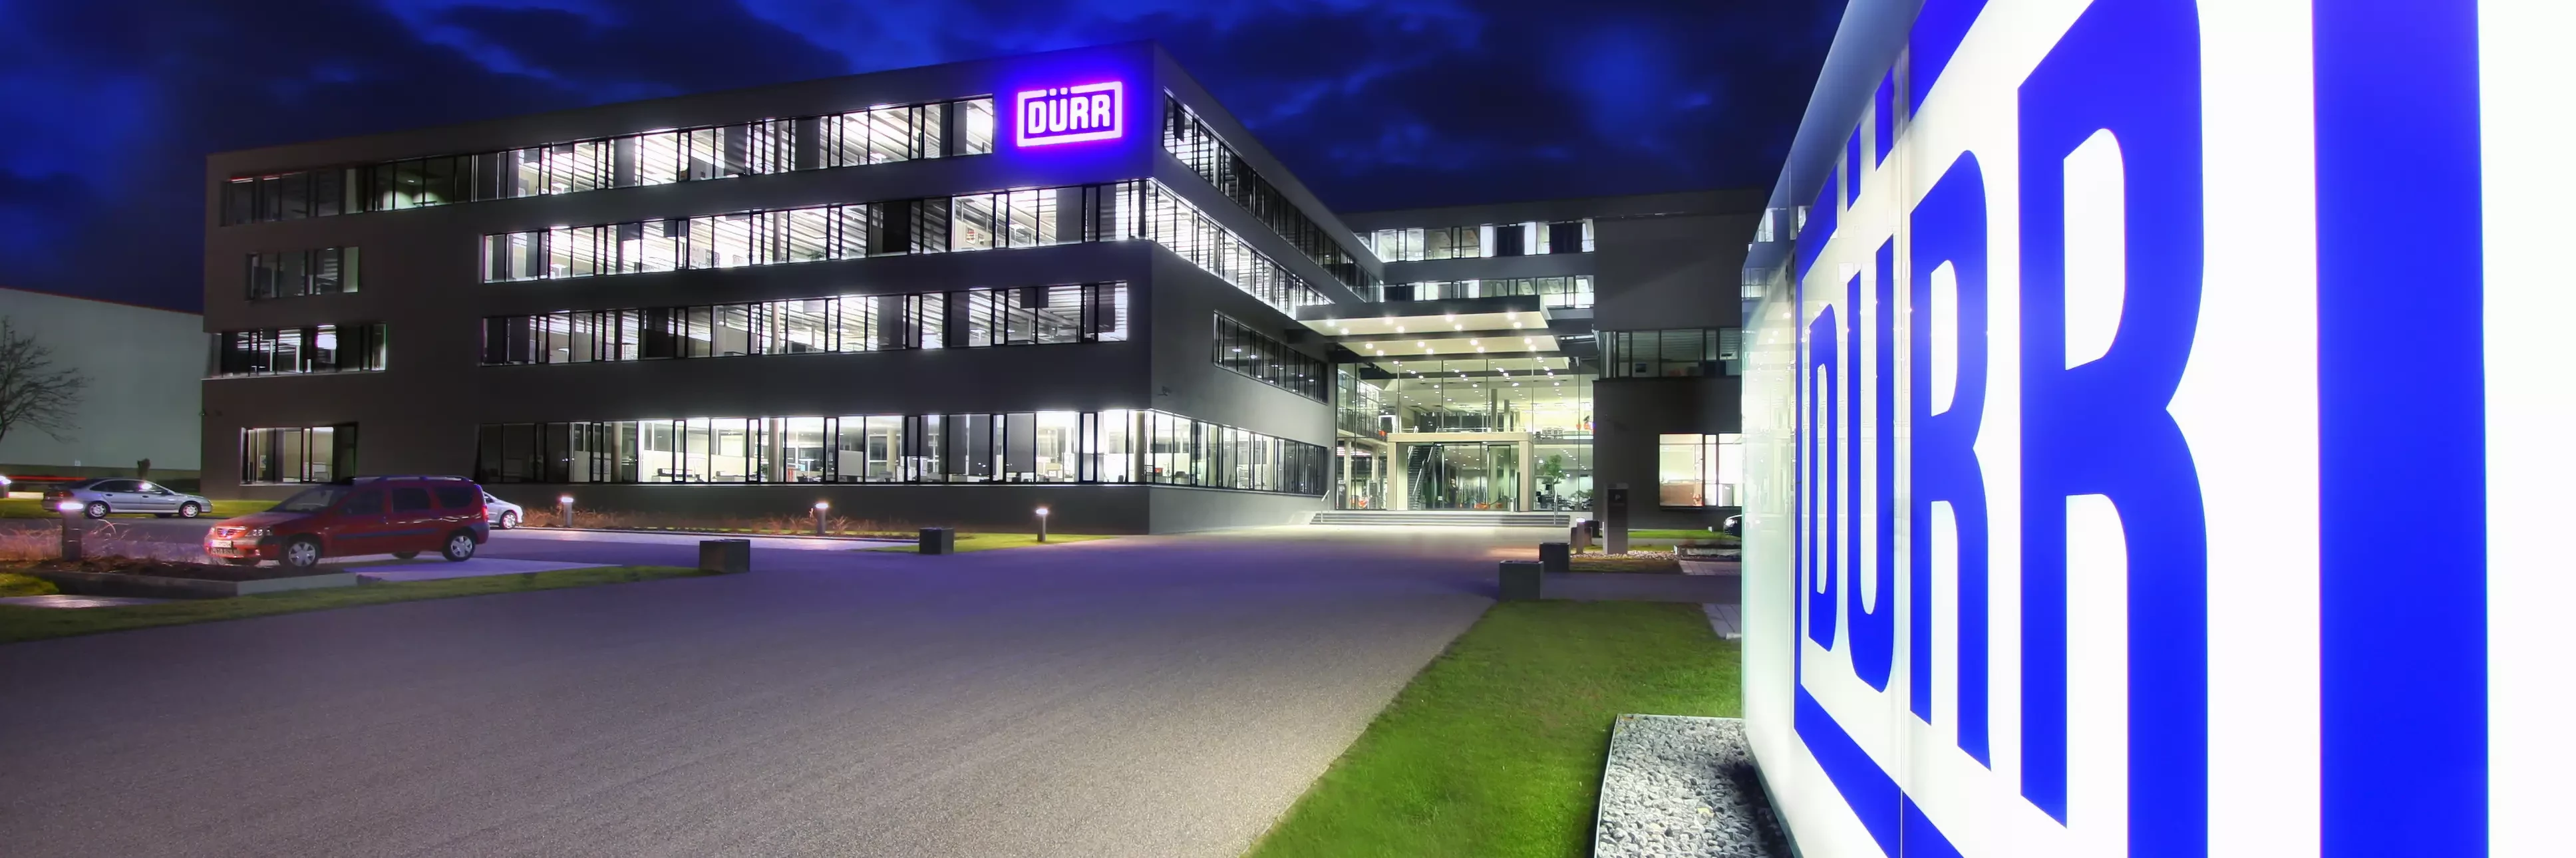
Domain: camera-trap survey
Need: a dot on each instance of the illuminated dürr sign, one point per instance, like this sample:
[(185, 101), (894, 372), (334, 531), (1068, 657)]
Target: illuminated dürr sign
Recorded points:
[(1070, 114), (2162, 422)]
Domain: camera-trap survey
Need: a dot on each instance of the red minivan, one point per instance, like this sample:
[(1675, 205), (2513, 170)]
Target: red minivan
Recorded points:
[(401, 516)]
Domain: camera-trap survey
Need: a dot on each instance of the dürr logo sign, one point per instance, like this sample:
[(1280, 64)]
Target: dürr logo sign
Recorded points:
[(2115, 330), (1071, 114)]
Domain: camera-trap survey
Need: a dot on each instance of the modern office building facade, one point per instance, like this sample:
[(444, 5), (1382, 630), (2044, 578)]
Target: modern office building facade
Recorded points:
[(1528, 356), (948, 294)]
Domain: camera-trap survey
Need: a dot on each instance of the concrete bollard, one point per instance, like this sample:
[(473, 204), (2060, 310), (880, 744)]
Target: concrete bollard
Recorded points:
[(1520, 579), (1555, 557), (1579, 535), (939, 540), (724, 556)]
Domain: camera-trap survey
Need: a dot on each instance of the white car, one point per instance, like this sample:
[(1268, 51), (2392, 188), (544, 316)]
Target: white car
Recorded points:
[(500, 513)]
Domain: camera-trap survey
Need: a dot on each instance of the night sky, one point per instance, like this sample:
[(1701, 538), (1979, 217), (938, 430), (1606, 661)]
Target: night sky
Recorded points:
[(112, 105)]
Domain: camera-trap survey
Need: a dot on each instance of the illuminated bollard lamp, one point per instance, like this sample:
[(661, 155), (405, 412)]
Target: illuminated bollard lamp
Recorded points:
[(74, 526), (563, 505), (1042, 516), (821, 508)]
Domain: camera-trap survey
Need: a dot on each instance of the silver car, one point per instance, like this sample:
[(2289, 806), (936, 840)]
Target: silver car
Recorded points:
[(107, 496), (500, 513)]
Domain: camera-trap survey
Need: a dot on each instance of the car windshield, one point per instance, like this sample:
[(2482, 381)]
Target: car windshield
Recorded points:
[(314, 499)]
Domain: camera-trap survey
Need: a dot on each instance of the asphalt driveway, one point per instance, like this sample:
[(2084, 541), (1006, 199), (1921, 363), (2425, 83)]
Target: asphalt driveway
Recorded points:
[(1163, 696)]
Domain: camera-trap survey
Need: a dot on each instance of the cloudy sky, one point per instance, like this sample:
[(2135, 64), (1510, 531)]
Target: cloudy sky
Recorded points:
[(112, 105)]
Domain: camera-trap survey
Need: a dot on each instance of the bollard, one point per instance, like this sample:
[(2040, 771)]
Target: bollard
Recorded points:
[(724, 556), (564, 505), (1579, 536), (1555, 557), (1520, 579), (938, 540), (1042, 517), (821, 509), (73, 529)]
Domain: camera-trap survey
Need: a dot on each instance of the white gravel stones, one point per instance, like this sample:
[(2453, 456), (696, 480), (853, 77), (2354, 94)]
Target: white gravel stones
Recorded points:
[(1678, 786)]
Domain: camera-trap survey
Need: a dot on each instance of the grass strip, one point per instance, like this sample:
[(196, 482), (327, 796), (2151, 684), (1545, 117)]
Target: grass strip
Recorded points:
[(988, 541), (1684, 535), (1664, 564), (19, 623), (223, 509), (1495, 749), (14, 584)]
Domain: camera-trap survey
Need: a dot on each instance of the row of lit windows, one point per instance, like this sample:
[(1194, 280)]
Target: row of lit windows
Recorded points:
[(874, 136), (1568, 292), (1699, 470), (1242, 349), (299, 454), (1671, 353), (1015, 447), (1486, 240), (1198, 147), (296, 273), (287, 351), (971, 318), (1023, 218)]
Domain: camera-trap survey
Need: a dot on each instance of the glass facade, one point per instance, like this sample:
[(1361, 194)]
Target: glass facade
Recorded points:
[(297, 273), (983, 221), (1418, 244), (1198, 147), (1675, 353), (1256, 355), (299, 454), (874, 136), (1563, 292), (969, 318), (1696, 471), (1013, 447), (289, 351), (1382, 410)]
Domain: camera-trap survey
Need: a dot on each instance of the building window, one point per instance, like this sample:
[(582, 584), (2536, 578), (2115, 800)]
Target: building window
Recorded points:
[(1697, 471), (299, 454), (877, 135), (1676, 353), (1197, 146), (284, 351), (1012, 447), (1269, 361), (972, 318), (1417, 244), (1568, 292), (297, 273)]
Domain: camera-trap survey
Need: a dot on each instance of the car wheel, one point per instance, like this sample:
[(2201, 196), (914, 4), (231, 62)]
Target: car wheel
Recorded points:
[(459, 547), (304, 552), (189, 510), (96, 509), (405, 555), (509, 520), (242, 561)]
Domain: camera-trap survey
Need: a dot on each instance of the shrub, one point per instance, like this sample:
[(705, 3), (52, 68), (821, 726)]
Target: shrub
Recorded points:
[(14, 584)]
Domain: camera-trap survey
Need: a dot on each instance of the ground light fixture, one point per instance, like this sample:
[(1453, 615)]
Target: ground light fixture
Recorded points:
[(1042, 517), (564, 505), (821, 508), (71, 510)]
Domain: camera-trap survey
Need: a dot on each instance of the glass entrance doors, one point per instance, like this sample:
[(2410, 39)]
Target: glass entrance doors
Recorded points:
[(1463, 475)]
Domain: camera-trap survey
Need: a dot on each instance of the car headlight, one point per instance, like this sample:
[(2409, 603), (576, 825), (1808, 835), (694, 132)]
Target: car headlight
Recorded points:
[(258, 531)]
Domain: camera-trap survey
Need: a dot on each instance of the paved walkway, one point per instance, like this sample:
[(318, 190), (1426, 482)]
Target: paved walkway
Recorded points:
[(1163, 696)]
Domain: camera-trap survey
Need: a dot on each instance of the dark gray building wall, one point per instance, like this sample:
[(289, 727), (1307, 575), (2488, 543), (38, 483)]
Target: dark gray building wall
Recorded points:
[(1186, 378), (1672, 271), (1006, 507), (1629, 415)]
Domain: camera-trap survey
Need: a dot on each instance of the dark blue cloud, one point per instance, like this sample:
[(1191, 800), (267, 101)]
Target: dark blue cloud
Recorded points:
[(114, 104)]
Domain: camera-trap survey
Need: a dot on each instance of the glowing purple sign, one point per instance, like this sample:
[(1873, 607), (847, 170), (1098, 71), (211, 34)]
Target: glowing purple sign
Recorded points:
[(1071, 114)]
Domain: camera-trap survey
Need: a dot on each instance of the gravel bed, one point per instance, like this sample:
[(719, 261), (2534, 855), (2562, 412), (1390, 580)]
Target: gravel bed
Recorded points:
[(1678, 786)]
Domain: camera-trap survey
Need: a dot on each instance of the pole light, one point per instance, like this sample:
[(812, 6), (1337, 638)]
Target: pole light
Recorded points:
[(1042, 515), (71, 510), (565, 503), (820, 509)]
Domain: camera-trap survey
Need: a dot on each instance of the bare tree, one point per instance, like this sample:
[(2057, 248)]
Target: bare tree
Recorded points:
[(33, 393)]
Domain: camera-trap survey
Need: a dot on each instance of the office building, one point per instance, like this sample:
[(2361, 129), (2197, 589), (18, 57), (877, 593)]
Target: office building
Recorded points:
[(949, 294)]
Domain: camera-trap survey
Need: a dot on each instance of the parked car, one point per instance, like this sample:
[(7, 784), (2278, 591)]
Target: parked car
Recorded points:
[(502, 514), (105, 496), (401, 516)]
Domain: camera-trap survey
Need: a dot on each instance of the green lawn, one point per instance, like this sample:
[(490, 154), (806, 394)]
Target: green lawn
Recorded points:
[(988, 541), (14, 584), (1660, 563), (1495, 750), (33, 508), (26, 624)]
